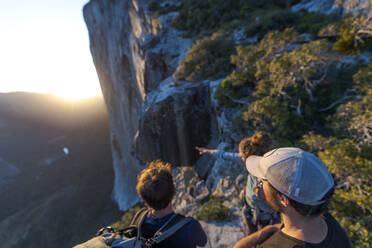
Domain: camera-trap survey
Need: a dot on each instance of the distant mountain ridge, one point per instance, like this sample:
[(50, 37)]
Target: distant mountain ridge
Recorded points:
[(50, 110)]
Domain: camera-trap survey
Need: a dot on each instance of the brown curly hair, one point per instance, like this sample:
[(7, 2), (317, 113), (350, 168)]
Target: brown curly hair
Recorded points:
[(258, 144), (155, 185)]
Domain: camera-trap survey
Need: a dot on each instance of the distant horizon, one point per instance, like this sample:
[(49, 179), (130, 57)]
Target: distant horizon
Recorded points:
[(48, 94), (45, 49)]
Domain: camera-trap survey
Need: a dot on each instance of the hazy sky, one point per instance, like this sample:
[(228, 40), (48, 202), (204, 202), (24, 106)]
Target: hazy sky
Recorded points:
[(44, 47)]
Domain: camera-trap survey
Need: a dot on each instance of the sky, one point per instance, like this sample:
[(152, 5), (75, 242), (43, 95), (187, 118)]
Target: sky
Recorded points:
[(44, 48)]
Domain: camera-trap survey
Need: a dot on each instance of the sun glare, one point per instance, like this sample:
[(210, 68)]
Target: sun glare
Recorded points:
[(74, 96), (76, 91), (46, 52)]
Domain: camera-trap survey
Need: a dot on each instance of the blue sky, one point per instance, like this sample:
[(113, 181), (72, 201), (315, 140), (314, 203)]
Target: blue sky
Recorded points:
[(44, 48)]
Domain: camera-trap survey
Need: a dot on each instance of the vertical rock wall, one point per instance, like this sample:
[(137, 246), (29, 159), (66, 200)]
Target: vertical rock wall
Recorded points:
[(134, 54), (173, 125), (116, 30)]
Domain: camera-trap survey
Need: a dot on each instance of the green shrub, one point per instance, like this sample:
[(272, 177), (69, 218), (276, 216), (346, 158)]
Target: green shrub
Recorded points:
[(352, 202), (345, 44), (207, 58), (313, 22), (229, 91), (225, 94), (363, 79), (288, 86), (263, 21), (353, 39), (214, 210), (247, 62), (197, 16), (359, 235), (127, 217), (271, 115), (354, 118)]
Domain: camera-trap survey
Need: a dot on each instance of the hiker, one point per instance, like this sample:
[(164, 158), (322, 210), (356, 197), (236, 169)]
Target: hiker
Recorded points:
[(298, 185), (256, 213), (155, 186), (156, 226)]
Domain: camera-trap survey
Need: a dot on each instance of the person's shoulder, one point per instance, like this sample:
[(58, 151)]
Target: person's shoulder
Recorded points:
[(333, 222), (193, 223), (279, 240), (338, 232), (189, 235), (272, 242)]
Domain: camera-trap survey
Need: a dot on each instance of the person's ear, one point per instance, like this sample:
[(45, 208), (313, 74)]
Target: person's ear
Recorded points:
[(284, 201)]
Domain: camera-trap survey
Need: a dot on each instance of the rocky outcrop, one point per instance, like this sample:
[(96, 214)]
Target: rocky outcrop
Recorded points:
[(192, 192), (174, 121)]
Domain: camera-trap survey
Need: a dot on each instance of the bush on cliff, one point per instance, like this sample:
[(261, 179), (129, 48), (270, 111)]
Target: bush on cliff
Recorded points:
[(214, 210), (286, 80), (262, 21), (355, 35), (352, 169), (127, 217), (347, 153), (207, 58), (196, 17)]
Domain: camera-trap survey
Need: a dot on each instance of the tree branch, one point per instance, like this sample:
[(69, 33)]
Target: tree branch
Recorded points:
[(339, 101)]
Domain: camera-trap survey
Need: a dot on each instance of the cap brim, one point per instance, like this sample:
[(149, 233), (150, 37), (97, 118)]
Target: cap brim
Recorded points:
[(252, 163)]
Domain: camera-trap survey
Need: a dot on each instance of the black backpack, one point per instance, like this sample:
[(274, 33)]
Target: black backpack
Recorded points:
[(130, 237)]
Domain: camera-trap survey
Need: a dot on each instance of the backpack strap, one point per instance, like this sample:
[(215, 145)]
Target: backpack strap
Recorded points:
[(131, 230), (136, 220), (175, 223)]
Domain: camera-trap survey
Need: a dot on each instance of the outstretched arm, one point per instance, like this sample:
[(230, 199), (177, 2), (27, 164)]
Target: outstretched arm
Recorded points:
[(258, 237), (221, 154), (203, 150)]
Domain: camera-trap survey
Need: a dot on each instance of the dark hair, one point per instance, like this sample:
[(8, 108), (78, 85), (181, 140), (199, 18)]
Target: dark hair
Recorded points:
[(155, 185), (308, 210), (258, 144)]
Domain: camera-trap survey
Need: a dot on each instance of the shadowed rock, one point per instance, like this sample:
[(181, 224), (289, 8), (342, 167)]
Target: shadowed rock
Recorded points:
[(174, 121)]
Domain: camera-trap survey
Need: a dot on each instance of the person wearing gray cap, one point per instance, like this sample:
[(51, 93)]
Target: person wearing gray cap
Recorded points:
[(298, 185)]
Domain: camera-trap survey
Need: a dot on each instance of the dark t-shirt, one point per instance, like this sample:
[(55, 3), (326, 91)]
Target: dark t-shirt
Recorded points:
[(189, 236), (336, 238)]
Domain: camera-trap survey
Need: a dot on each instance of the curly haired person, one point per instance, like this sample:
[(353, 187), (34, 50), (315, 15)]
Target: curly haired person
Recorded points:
[(256, 213), (155, 186)]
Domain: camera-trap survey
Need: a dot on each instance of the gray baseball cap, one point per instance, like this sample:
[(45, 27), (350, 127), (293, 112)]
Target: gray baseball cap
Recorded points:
[(298, 174)]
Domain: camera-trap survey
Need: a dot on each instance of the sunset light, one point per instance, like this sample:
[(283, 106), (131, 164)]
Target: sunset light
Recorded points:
[(45, 48)]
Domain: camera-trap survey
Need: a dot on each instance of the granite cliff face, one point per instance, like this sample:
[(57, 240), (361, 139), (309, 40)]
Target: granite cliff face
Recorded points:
[(151, 117), (114, 43), (174, 121)]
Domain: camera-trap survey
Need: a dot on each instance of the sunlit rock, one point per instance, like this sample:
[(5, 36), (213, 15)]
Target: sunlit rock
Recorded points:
[(132, 52)]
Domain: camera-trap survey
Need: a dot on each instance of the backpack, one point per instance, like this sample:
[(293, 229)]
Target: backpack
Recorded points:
[(130, 237)]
